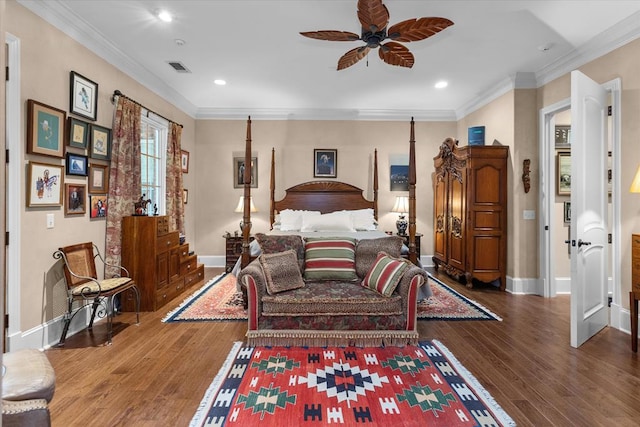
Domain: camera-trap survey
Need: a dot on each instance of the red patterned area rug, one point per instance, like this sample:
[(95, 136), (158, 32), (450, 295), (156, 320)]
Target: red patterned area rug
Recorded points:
[(422, 385), (219, 300)]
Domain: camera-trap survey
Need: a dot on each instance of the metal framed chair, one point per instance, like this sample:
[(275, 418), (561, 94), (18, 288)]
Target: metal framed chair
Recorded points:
[(83, 285)]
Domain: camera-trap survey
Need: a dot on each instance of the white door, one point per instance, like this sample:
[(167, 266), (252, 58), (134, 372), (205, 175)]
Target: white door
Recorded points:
[(589, 304)]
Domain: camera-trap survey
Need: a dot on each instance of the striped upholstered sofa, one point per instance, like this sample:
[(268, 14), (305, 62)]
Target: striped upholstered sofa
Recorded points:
[(343, 292)]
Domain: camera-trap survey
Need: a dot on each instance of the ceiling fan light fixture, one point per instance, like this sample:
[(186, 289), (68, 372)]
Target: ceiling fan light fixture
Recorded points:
[(441, 84), (164, 16), (220, 82)]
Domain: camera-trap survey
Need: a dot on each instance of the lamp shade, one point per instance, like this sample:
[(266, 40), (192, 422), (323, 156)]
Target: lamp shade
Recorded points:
[(635, 185), (240, 207), (401, 205)]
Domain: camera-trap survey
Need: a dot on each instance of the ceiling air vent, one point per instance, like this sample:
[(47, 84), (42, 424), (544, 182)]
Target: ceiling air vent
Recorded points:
[(178, 66)]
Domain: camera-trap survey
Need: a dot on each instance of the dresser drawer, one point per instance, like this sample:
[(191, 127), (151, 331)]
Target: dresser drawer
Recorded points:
[(189, 265), (194, 277), (167, 241), (184, 252), (163, 225)]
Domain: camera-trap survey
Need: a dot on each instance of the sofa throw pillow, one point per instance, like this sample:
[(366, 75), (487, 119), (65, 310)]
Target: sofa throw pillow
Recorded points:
[(330, 258), (272, 243), (385, 274), (281, 271), (367, 251)]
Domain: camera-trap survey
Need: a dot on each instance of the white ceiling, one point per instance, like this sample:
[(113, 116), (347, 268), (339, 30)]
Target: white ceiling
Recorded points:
[(273, 72)]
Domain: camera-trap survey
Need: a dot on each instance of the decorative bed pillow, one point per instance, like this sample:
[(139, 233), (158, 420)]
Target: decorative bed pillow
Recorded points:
[(330, 258), (334, 221), (363, 219), (281, 271), (291, 220), (367, 251), (385, 274), (272, 243)]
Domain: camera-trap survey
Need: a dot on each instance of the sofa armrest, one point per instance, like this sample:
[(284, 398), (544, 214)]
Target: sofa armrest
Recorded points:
[(408, 288), (252, 279), (34, 412)]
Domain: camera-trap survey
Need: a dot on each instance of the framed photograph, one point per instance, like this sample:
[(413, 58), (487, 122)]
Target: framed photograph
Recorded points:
[(98, 178), (238, 172), (83, 97), (45, 129), (44, 185), (399, 178), (75, 199), (567, 212), (325, 163), (77, 133), (100, 141), (98, 206), (563, 136), (185, 161), (77, 164), (185, 196), (563, 173)]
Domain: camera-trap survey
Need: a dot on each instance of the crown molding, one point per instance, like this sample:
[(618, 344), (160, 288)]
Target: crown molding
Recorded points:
[(324, 114)]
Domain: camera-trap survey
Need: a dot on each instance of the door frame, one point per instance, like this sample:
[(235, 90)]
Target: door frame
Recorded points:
[(13, 196), (547, 190)]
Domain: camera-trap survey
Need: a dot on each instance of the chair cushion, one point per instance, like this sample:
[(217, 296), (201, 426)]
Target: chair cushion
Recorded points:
[(106, 285), (273, 243), (29, 375), (385, 274), (330, 258), (281, 271), (367, 251)]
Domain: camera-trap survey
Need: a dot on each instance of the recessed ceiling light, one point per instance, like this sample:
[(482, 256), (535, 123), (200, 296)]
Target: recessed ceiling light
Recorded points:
[(441, 84), (164, 16), (220, 82), (179, 42)]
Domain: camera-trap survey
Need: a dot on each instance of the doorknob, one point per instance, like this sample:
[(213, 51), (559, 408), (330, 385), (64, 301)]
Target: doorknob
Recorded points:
[(581, 243)]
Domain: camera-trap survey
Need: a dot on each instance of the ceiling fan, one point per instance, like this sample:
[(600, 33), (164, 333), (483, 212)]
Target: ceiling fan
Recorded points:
[(374, 17)]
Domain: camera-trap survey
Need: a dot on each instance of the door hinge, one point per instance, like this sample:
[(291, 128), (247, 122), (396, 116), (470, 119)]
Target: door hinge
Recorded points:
[(609, 110), (6, 238), (6, 74), (6, 156), (609, 238), (6, 321)]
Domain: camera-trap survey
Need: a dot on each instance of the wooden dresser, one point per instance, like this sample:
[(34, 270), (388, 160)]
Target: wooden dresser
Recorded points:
[(634, 295), (161, 266), (470, 212)]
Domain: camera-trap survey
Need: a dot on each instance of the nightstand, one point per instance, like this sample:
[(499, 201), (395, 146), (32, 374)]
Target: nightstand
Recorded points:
[(233, 251)]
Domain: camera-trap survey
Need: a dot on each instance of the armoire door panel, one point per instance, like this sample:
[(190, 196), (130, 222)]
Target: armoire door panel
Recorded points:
[(487, 220)]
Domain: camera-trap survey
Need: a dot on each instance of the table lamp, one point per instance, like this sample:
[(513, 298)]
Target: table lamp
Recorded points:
[(240, 207), (635, 185), (402, 207)]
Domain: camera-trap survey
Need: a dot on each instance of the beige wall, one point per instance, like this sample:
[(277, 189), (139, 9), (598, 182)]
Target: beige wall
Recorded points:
[(294, 141), (47, 57)]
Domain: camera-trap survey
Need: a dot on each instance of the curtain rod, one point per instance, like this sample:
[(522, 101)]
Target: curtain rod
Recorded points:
[(118, 93)]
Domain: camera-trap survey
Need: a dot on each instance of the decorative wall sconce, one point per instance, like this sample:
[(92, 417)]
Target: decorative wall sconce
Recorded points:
[(526, 179)]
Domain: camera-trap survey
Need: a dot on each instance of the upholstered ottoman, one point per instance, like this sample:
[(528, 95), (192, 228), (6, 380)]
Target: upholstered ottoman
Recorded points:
[(28, 384)]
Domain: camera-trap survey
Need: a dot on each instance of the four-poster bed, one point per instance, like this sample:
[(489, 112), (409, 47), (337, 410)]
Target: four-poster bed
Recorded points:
[(356, 289)]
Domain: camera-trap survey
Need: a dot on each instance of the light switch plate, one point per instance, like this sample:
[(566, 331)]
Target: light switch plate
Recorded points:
[(49, 220), (527, 214)]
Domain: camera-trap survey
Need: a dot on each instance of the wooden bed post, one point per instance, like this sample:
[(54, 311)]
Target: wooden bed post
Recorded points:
[(412, 196), (246, 217), (375, 183), (272, 205)]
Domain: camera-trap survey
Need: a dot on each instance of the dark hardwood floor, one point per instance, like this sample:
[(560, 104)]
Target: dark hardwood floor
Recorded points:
[(155, 374)]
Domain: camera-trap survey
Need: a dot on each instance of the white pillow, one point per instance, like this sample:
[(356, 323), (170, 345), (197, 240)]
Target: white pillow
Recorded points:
[(291, 220), (334, 221), (363, 219)]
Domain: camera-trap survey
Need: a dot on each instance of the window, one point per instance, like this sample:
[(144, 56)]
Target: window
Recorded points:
[(153, 161)]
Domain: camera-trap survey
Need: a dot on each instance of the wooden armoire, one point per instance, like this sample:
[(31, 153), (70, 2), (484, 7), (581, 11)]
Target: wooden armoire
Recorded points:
[(470, 212)]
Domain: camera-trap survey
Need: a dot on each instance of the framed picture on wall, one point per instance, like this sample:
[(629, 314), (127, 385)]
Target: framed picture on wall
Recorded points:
[(100, 141), (45, 129), (76, 164), (98, 206), (563, 173), (44, 185), (563, 137), (185, 161), (399, 178), (83, 99), (238, 172), (77, 133), (567, 212), (75, 199), (98, 178), (325, 163)]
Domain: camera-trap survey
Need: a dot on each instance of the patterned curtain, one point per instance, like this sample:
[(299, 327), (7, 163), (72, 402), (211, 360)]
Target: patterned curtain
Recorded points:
[(124, 177), (175, 206)]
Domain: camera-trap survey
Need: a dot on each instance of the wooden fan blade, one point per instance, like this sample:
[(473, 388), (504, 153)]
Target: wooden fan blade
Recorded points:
[(413, 30), (373, 15), (352, 57), (332, 35), (396, 54)]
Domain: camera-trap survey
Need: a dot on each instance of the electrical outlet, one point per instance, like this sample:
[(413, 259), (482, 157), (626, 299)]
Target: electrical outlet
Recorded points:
[(49, 220), (526, 214)]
